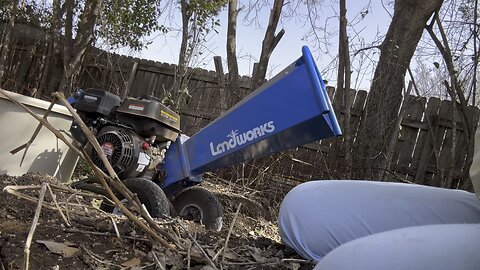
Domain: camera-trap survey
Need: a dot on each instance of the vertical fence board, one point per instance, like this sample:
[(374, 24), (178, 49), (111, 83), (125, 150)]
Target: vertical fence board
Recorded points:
[(408, 134), (425, 152), (422, 135), (440, 131)]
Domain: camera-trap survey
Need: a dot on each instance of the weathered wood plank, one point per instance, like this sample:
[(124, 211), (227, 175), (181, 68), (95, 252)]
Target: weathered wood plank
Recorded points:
[(422, 134), (424, 154), (440, 131), (407, 136)]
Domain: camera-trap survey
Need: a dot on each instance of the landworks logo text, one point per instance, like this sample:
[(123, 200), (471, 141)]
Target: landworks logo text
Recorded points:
[(239, 139)]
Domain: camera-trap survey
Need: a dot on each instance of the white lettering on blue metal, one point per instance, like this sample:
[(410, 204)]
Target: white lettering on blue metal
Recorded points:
[(239, 139)]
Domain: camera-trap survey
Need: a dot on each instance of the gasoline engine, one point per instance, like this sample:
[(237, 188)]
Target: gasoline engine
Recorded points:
[(133, 134)]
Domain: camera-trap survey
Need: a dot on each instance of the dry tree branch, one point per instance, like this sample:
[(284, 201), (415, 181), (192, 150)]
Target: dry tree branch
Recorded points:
[(198, 245), (54, 199), (126, 211), (34, 226), (157, 261), (225, 247), (13, 191), (98, 258), (73, 230), (189, 256), (115, 227)]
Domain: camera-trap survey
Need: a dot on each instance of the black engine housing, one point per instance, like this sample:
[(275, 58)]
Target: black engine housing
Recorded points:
[(133, 134), (124, 151)]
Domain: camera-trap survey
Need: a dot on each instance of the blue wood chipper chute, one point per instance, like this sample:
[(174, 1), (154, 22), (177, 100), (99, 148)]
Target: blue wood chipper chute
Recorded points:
[(291, 109), (142, 140)]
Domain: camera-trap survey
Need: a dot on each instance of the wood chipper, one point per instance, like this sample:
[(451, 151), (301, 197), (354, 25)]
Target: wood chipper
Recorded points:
[(142, 140)]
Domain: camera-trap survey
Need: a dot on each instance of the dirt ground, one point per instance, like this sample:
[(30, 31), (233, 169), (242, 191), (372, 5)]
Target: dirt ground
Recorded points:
[(90, 241)]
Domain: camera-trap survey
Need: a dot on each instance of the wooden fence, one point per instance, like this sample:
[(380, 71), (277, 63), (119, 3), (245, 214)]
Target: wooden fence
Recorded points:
[(430, 145)]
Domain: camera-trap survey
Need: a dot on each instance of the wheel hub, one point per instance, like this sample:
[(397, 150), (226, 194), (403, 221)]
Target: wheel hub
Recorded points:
[(191, 212)]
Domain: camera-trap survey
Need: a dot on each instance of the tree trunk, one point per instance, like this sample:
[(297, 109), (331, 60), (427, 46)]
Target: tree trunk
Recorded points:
[(343, 84), (56, 67), (269, 43), (67, 43), (5, 49), (56, 26), (409, 20), (83, 39), (475, 54), (180, 73), (233, 78)]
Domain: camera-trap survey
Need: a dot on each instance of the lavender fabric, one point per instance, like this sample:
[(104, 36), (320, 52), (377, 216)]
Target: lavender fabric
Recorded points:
[(439, 247), (318, 216)]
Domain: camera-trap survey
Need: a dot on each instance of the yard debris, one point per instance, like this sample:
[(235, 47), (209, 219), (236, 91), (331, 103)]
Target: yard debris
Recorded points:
[(59, 248), (128, 241), (132, 263), (91, 242)]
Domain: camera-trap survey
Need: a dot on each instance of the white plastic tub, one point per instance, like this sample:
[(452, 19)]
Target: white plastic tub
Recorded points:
[(47, 153)]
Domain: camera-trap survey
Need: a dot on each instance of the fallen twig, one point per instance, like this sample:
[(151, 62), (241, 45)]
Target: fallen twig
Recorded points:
[(67, 222), (97, 257), (72, 230), (296, 260), (189, 256), (12, 190), (115, 228), (252, 263), (198, 245), (34, 226), (225, 246), (1, 264), (157, 261)]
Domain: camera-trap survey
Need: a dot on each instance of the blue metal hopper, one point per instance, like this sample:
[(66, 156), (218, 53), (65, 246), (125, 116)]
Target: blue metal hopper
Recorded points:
[(289, 110)]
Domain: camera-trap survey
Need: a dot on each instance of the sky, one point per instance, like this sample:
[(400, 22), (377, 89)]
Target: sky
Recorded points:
[(373, 26)]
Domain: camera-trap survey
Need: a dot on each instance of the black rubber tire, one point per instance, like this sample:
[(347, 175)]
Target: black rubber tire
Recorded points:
[(89, 184), (203, 201), (149, 194)]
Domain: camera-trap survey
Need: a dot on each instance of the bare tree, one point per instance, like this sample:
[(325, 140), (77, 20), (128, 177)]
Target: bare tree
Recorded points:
[(233, 78), (475, 53), (84, 38), (405, 30), (343, 83), (197, 22), (453, 87), (457, 92), (269, 43), (180, 75)]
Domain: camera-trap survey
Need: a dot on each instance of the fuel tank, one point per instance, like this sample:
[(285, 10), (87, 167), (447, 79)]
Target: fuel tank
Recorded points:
[(149, 117)]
